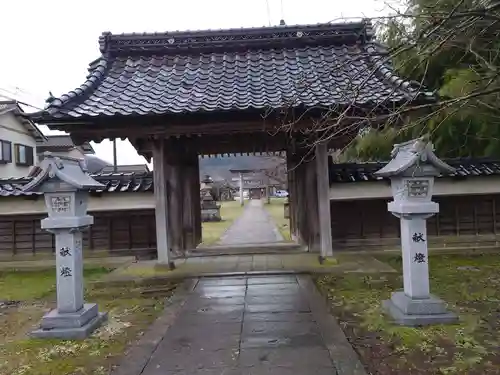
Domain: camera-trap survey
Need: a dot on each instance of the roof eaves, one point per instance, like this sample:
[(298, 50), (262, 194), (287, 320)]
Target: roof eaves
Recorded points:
[(380, 59), (55, 105)]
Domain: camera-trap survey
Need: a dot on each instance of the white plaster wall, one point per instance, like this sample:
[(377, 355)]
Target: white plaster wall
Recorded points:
[(341, 191), (12, 130), (442, 186), (107, 202)]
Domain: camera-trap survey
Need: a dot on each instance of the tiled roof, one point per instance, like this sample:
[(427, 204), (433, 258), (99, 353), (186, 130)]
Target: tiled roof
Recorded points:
[(114, 182), (237, 69), (339, 173), (61, 141), (364, 172), (132, 168)]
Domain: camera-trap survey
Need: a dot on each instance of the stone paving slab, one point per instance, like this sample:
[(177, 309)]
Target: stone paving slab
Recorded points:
[(284, 327), (254, 226), (246, 333), (242, 266)]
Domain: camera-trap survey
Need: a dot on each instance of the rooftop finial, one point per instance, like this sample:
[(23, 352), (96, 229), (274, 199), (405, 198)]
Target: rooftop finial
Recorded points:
[(282, 22)]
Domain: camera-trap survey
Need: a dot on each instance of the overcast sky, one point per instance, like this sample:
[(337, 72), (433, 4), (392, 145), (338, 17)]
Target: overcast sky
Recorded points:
[(47, 45)]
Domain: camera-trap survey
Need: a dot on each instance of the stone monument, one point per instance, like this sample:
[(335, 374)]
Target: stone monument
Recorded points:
[(411, 171), (65, 184), (210, 210)]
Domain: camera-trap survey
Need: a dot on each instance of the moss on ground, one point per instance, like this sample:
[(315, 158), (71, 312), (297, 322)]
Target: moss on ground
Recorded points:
[(470, 284), (29, 285), (130, 313), (213, 231)]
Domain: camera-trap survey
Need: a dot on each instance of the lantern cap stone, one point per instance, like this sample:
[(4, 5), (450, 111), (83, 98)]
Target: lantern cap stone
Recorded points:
[(410, 158), (70, 170)]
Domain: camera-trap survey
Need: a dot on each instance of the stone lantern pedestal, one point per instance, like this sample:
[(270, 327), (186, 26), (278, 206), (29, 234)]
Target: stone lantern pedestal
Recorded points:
[(65, 184), (210, 210), (412, 170)]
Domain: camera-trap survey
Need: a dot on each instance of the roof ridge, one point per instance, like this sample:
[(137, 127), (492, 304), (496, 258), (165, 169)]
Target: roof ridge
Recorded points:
[(236, 37)]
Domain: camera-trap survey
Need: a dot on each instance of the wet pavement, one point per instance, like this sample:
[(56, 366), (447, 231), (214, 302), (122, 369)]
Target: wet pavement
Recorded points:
[(244, 326), (254, 226)]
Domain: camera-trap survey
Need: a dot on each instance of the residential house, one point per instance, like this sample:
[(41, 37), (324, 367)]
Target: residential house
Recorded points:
[(18, 141)]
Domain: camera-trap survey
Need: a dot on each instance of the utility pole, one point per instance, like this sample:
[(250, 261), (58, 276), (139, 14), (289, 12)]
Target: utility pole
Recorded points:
[(115, 163)]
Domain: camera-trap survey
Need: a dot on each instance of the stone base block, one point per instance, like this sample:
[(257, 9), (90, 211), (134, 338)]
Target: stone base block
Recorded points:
[(414, 306), (72, 326), (328, 261), (55, 319), (418, 312)]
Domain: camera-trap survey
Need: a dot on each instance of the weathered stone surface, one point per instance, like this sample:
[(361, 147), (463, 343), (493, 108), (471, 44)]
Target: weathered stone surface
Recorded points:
[(55, 319), (288, 328), (73, 333), (286, 357), (412, 170), (418, 319), (412, 306), (231, 339), (254, 226), (272, 280), (278, 307), (65, 184)]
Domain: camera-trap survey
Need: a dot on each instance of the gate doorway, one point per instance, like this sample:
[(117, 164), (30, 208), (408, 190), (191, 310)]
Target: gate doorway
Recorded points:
[(178, 95)]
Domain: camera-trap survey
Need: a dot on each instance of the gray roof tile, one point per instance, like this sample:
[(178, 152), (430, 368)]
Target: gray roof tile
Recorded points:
[(364, 172), (240, 69), (339, 173)]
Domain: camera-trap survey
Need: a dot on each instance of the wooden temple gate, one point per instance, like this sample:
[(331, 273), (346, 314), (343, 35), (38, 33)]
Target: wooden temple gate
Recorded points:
[(178, 95)]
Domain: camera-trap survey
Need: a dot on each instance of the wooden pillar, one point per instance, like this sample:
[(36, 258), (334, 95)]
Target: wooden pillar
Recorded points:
[(197, 202), (323, 186), (190, 196), (161, 201), (311, 205), (292, 195), (302, 206), (303, 187), (175, 176), (302, 231)]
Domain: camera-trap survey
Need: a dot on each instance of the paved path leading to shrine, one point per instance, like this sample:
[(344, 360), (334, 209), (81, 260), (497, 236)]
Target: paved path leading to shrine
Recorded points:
[(258, 325), (254, 226)]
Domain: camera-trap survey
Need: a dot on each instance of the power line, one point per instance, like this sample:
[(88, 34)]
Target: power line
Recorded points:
[(268, 13)]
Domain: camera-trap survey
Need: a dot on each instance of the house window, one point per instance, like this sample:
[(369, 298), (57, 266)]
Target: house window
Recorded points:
[(24, 155), (5, 152)]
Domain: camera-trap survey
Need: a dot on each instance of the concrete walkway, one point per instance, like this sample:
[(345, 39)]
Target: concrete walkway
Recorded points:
[(246, 326), (254, 226)]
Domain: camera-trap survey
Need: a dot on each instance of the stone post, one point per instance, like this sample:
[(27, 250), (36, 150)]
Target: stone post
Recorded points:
[(412, 170), (268, 191), (242, 202), (65, 184)]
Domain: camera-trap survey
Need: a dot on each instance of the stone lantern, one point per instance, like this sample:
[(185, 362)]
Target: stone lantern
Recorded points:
[(210, 210), (65, 184), (412, 171)]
